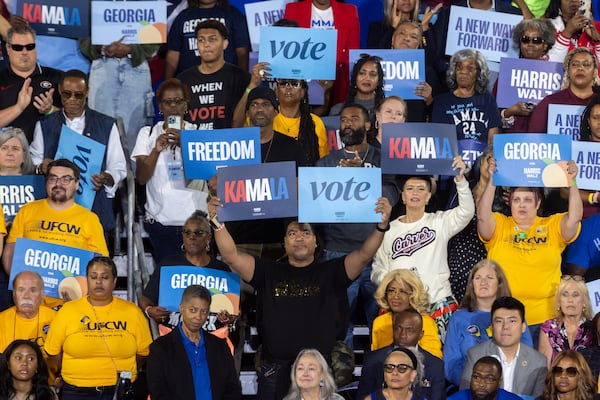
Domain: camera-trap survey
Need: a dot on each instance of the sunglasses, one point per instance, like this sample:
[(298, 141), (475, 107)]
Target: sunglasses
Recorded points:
[(190, 233), (576, 278), (402, 368), (293, 83), (558, 371), (20, 47), (534, 40), (66, 94)]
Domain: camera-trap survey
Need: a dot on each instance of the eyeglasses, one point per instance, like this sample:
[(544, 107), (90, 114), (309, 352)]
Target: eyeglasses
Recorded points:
[(293, 83), (486, 379), (402, 368), (534, 40), (397, 292), (7, 148), (170, 102), (190, 233), (558, 371), (67, 94), (584, 65), (469, 68), (65, 180), (20, 47), (576, 278)]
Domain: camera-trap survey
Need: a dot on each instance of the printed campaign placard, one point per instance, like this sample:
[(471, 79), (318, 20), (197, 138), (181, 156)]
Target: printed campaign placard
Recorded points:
[(418, 148), (87, 154), (470, 149), (594, 291), (587, 157), (488, 32), (62, 268), (64, 18), (204, 152), (564, 119), (262, 13), (402, 70), (526, 80), (132, 22), (223, 286), (260, 191), (532, 160), (18, 190), (299, 53), (329, 194), (332, 126)]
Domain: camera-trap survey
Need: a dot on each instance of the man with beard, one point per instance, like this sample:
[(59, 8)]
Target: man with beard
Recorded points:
[(485, 382), (57, 219), (341, 239)]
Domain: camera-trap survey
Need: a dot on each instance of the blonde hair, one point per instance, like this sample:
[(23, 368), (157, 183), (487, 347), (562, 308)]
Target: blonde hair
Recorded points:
[(583, 291), (408, 280), (567, 63)]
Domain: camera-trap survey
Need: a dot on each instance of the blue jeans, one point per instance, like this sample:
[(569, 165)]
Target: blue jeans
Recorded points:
[(361, 286), (119, 90)]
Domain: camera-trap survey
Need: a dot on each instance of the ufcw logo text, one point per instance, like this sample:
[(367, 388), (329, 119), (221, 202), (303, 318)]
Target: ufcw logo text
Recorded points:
[(59, 226)]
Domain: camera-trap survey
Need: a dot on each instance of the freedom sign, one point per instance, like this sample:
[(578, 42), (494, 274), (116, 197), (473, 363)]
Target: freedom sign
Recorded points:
[(132, 22), (330, 194), (418, 148), (299, 53), (402, 70), (204, 152), (87, 154), (18, 190), (223, 286), (587, 157), (488, 32), (262, 13), (526, 80), (260, 191), (532, 160), (565, 119), (64, 18), (62, 268)]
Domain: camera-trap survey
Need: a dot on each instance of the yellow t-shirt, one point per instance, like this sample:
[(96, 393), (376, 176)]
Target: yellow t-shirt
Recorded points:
[(531, 261), (2, 225), (75, 227), (93, 340), (383, 334), (291, 127)]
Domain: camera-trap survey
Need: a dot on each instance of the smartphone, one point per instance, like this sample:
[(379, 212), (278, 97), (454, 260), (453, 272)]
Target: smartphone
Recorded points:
[(174, 122), (585, 7)]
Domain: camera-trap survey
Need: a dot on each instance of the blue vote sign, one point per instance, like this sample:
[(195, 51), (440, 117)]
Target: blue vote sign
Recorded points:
[(204, 152), (18, 190), (62, 268), (565, 119), (63, 18), (418, 148), (532, 160), (224, 287), (587, 157), (330, 194), (257, 191), (299, 53), (402, 70), (87, 154)]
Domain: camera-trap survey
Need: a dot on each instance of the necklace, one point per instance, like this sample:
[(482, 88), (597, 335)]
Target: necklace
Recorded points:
[(294, 126), (269, 149), (362, 161)]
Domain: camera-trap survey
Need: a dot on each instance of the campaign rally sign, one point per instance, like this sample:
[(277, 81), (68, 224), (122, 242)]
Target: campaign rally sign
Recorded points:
[(204, 152), (64, 18), (87, 154), (532, 160), (526, 80), (418, 148), (587, 157), (262, 13), (402, 70), (18, 190), (594, 291), (223, 286), (488, 32), (332, 126), (564, 119), (132, 22), (257, 191), (329, 194), (62, 268), (299, 53), (470, 149)]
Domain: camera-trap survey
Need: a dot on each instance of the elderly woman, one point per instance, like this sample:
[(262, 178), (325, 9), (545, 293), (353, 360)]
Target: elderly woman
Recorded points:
[(101, 333), (534, 37), (157, 154), (15, 158), (471, 324), (581, 76), (527, 246), (401, 375), (311, 378), (569, 378), (571, 328), (400, 290), (23, 373)]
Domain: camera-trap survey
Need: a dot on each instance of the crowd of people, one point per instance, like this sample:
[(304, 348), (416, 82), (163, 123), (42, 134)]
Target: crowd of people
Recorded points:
[(469, 290)]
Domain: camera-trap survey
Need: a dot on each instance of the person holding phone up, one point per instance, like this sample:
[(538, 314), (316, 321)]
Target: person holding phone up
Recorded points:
[(157, 153)]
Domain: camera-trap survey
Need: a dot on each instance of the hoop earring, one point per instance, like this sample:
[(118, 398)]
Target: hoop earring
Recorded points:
[(182, 248)]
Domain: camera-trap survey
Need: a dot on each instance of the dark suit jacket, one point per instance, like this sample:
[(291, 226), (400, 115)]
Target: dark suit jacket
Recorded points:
[(432, 381), (169, 372)]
